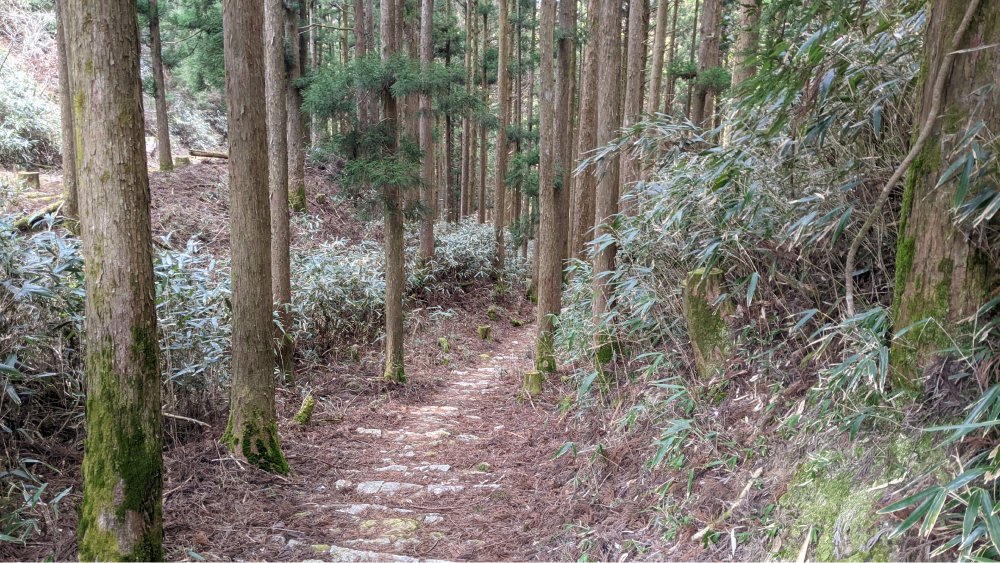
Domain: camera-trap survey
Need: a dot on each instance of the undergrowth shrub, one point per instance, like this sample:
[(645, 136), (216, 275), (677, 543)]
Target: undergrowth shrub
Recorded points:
[(28, 120)]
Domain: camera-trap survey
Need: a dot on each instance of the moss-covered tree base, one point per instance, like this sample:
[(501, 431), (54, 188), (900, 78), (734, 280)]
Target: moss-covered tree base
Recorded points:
[(532, 385), (297, 199), (710, 333), (258, 441), (394, 372), (304, 415), (484, 332)]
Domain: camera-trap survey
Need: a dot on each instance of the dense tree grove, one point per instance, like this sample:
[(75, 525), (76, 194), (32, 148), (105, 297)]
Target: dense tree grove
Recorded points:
[(788, 203)]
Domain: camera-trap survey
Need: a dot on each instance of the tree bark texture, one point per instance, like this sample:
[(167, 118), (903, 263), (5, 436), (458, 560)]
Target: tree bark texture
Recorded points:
[(634, 84), (253, 430), (659, 46), (746, 40), (482, 130), (277, 158), (156, 54), (668, 94), (71, 206), (296, 153), (503, 92), (121, 516), (708, 57), (548, 253), (392, 196), (360, 51), (606, 205), (691, 57), (939, 272), (426, 133), (586, 180), (565, 83)]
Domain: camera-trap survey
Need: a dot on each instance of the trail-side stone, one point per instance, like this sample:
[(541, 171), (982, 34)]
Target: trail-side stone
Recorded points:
[(392, 468), (386, 488), (342, 484), (399, 525), (442, 489), (432, 518), (708, 323), (356, 509), (371, 431), (439, 467), (348, 555)]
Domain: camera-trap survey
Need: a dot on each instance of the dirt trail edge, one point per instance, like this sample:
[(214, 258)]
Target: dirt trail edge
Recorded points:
[(452, 469)]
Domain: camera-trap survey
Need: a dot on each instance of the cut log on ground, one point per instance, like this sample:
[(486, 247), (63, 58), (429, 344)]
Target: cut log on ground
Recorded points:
[(208, 154)]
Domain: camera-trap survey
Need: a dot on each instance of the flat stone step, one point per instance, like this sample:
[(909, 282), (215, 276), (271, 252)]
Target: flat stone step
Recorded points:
[(386, 488), (348, 555)]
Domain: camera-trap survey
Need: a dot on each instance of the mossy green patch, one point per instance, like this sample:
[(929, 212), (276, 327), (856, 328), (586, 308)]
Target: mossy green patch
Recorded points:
[(304, 415), (710, 334), (258, 442)]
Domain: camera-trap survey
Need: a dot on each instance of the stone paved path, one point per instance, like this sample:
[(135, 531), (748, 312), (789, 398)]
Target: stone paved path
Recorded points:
[(389, 512)]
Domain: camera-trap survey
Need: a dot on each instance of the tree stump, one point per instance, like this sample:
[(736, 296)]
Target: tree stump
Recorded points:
[(181, 161), (532, 384), (30, 179), (445, 346), (484, 332), (708, 325)]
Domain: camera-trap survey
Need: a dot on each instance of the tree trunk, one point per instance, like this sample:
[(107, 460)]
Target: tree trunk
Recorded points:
[(277, 159), (395, 275), (694, 46), (71, 204), (253, 429), (296, 154), (548, 254), (482, 129), (121, 516), (708, 58), (156, 54), (586, 182), (633, 94), (565, 82), (656, 72), (668, 95), (503, 89), (746, 40), (466, 145), (426, 133), (360, 51), (606, 206), (940, 273)]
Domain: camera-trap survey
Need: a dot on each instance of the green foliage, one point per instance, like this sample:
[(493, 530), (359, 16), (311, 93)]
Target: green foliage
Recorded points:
[(28, 120), (716, 79), (683, 69)]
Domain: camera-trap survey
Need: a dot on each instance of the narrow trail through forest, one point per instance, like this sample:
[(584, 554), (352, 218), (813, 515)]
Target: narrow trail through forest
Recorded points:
[(452, 468)]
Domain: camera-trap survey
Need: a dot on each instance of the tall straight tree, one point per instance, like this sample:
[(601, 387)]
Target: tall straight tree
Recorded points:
[(277, 159), (156, 54), (586, 180), (669, 91), (253, 429), (609, 120), (392, 198), (656, 68), (940, 271), (466, 145), (296, 152), (746, 40), (70, 197), (549, 266), (565, 82), (503, 109), (703, 108), (633, 91), (361, 42), (691, 58), (121, 517), (427, 132), (481, 216)]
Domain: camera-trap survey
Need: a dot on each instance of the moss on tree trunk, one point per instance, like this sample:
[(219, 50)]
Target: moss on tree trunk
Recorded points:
[(939, 274), (711, 336)]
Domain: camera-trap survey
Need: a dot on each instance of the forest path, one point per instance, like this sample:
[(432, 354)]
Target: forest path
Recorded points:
[(451, 467)]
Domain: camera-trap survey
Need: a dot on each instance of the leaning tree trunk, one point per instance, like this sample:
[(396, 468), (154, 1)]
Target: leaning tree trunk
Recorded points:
[(940, 273), (296, 153), (277, 158), (633, 92), (156, 54), (395, 275), (606, 206), (746, 41), (253, 429), (426, 134), (548, 256), (71, 205), (586, 182), (503, 89), (708, 57), (121, 516)]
